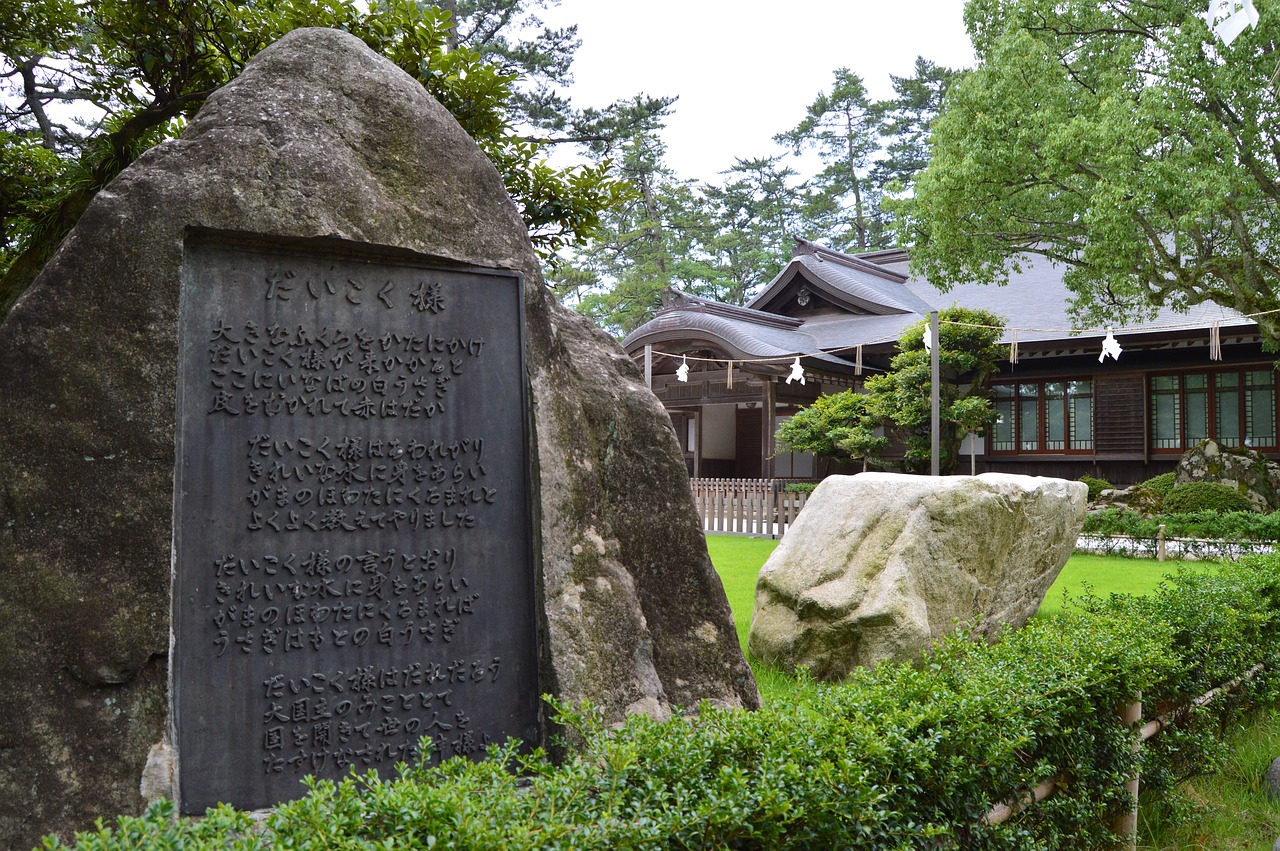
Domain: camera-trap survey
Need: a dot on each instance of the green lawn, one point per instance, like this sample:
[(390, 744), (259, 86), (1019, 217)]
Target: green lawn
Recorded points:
[(738, 561), (1107, 575)]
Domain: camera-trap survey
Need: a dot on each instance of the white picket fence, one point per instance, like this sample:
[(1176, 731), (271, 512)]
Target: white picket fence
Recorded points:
[(757, 507)]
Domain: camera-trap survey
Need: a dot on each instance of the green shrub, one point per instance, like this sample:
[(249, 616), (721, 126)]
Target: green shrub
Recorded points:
[(1119, 521), (1205, 496), (801, 487), (1161, 484), (900, 756), (1212, 525), (1096, 486)]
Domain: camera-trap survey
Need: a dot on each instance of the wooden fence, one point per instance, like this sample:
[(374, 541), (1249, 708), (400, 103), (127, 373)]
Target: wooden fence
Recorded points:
[(1125, 824), (758, 507)]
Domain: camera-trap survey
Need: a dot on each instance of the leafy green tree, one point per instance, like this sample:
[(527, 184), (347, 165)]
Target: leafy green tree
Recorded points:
[(842, 127), (843, 425), (839, 426), (147, 67), (511, 35), (1124, 140), (968, 352)]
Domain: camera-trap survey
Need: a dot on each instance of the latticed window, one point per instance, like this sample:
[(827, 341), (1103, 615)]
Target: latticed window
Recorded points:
[(1234, 407), (1049, 416)]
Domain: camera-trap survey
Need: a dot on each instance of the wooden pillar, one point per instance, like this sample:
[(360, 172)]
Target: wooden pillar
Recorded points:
[(935, 393), (768, 423), (648, 367), (697, 443), (1126, 824)]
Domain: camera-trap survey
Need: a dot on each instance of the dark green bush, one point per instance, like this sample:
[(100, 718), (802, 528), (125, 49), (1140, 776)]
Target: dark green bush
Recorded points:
[(898, 757), (1211, 525), (801, 487), (1161, 484), (1205, 496), (1096, 486)]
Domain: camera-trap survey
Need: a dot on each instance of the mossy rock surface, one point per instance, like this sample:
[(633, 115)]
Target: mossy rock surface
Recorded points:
[(1244, 470), (319, 137)]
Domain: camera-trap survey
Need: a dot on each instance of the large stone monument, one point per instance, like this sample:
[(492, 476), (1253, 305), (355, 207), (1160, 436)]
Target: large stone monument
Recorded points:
[(319, 145), (878, 565)]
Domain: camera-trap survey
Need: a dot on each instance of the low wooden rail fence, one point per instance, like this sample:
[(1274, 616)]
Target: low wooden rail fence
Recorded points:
[(759, 507), (1126, 823), (1163, 546)]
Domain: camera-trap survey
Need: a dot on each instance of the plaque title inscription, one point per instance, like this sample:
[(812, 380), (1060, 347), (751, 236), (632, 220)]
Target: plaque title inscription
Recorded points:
[(353, 566)]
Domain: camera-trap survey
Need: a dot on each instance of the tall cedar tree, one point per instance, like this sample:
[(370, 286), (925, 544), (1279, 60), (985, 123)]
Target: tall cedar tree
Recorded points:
[(842, 127)]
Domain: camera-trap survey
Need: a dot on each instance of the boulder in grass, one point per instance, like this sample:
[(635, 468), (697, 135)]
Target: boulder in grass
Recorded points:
[(879, 565)]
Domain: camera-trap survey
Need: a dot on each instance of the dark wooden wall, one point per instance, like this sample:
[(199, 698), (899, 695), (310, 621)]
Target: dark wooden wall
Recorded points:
[(1119, 418)]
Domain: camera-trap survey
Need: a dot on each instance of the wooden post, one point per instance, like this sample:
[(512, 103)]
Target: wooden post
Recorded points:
[(935, 390), (768, 422), (1160, 543), (697, 443), (1125, 824), (648, 367)]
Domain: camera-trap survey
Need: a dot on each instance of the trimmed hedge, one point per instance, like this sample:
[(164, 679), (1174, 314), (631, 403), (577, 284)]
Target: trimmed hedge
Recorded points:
[(1096, 486), (1161, 484), (1214, 525), (800, 487), (899, 756), (1205, 496)]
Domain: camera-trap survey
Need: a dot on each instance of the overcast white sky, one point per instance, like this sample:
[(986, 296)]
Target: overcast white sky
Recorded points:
[(746, 69)]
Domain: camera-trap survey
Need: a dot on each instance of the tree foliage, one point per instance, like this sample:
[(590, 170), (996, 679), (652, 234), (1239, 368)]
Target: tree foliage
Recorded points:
[(757, 210), (719, 241), (839, 426), (906, 123), (144, 68), (843, 127), (726, 238), (1122, 139), (842, 426)]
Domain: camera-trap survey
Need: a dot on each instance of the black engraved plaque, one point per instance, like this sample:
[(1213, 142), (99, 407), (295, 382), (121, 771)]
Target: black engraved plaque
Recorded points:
[(353, 563)]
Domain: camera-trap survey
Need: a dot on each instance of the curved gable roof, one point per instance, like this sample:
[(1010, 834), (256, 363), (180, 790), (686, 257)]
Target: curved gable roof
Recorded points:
[(741, 333), (856, 285)]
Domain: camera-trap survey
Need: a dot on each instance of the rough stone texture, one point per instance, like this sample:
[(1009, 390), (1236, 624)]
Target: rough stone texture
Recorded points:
[(879, 564), (1273, 780), (318, 137), (158, 779), (1135, 498), (1246, 470)]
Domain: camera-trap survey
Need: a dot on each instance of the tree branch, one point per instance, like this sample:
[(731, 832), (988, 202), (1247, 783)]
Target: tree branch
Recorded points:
[(26, 68)]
